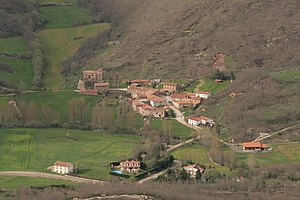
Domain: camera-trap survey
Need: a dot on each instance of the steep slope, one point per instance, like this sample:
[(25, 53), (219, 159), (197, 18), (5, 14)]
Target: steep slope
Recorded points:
[(178, 39)]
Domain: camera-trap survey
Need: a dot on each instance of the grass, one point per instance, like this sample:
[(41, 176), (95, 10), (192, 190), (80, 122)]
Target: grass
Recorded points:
[(58, 1), (57, 101), (281, 154), (36, 149), (14, 182), (13, 45), (292, 75), (65, 16), (58, 44), (24, 73), (176, 128), (211, 86)]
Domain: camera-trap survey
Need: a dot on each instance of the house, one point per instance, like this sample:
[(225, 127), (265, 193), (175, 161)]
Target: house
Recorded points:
[(196, 121), (140, 82), (192, 169), (218, 80), (203, 95), (254, 146), (171, 87), (101, 86), (141, 92), (157, 101), (93, 76), (135, 105), (178, 97), (149, 111), (131, 166), (89, 92), (61, 168)]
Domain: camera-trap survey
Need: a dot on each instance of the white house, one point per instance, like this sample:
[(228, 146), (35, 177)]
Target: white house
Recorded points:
[(203, 95), (192, 169), (131, 166), (194, 121), (157, 101), (62, 167)]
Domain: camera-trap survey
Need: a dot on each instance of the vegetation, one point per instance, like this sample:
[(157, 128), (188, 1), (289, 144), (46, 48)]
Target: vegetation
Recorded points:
[(13, 45), (65, 16), (286, 76), (36, 149), (58, 44)]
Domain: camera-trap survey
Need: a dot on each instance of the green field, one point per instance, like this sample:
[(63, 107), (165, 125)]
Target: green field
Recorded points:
[(36, 149), (58, 1), (176, 128), (65, 16), (209, 85), (13, 45), (292, 75), (24, 73), (58, 44), (14, 182), (281, 154), (57, 101)]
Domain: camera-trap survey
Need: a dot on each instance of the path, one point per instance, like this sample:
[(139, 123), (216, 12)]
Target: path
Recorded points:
[(52, 176)]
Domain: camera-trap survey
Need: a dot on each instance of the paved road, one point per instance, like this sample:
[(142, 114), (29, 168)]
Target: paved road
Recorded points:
[(52, 176)]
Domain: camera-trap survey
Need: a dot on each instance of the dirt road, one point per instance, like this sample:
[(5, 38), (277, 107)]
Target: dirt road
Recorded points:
[(52, 176)]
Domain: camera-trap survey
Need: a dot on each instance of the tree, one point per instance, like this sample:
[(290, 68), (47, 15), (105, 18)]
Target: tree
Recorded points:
[(183, 176), (198, 175)]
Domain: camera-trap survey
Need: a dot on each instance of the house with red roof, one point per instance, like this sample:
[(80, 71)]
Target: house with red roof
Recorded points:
[(101, 86), (178, 97), (196, 121), (192, 169), (157, 101), (254, 146), (203, 95), (61, 167)]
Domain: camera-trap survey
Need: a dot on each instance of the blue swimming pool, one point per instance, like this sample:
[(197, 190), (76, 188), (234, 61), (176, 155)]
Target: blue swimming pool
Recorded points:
[(117, 171)]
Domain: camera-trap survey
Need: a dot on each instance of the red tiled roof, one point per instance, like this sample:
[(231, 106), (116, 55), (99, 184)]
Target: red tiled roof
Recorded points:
[(191, 95), (102, 84), (89, 92), (200, 118), (137, 103), (218, 80), (156, 98), (183, 102), (194, 118), (195, 166), (145, 107), (254, 145), (179, 96), (172, 84), (62, 164)]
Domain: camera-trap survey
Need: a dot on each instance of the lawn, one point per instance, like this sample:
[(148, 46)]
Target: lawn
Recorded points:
[(36, 149), (209, 85), (176, 128), (58, 44), (13, 45), (24, 73), (57, 101), (65, 16), (14, 182), (292, 75), (281, 154)]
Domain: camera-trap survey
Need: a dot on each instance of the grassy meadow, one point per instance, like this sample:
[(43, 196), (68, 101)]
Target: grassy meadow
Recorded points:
[(13, 45), (57, 101), (58, 44), (15, 182), (65, 16), (36, 149), (292, 75), (286, 153)]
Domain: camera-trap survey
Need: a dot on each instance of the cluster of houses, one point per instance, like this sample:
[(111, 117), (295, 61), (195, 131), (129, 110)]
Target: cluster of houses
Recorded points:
[(91, 82)]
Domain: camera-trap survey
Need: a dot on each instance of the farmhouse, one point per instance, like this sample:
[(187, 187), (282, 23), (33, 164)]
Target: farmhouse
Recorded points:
[(149, 111), (131, 166), (254, 146), (157, 101), (178, 97), (186, 103), (171, 87), (196, 121), (140, 82), (93, 76), (62, 167), (192, 169), (203, 95), (101, 87)]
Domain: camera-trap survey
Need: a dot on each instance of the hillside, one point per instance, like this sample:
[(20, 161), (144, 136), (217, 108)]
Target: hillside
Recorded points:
[(178, 40)]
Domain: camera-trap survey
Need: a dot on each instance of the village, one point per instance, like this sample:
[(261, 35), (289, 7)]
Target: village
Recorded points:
[(151, 99)]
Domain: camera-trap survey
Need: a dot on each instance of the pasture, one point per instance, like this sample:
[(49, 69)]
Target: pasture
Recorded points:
[(65, 16), (57, 101), (13, 45), (58, 44), (282, 153), (36, 149)]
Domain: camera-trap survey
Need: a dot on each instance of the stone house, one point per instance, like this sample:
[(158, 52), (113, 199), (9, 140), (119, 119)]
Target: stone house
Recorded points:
[(192, 169), (254, 146), (171, 87), (157, 101), (62, 167), (92, 76), (101, 86)]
